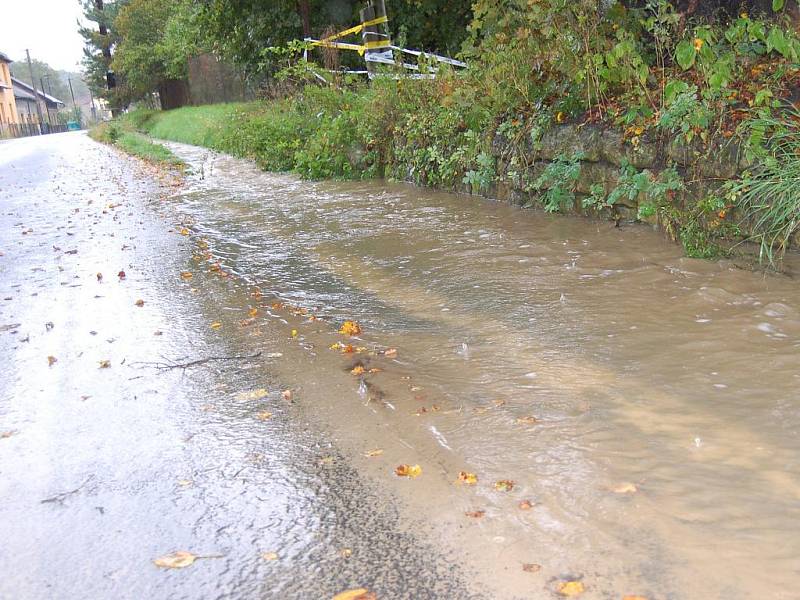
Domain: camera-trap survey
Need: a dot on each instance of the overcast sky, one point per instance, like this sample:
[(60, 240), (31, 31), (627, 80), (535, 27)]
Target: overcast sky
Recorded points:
[(47, 27)]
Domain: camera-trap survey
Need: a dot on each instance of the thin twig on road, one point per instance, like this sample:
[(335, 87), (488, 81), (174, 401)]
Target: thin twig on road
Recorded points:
[(164, 366), (64, 495)]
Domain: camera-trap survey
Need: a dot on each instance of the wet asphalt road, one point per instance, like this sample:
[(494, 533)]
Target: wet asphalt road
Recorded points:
[(105, 466)]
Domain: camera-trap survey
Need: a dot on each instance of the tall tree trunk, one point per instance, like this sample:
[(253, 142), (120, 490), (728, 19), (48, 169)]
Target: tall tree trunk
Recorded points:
[(305, 16)]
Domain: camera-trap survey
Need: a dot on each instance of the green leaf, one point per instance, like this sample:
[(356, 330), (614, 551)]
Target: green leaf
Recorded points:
[(776, 40), (685, 54), (777, 5)]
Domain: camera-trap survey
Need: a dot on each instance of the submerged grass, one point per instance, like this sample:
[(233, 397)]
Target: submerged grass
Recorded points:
[(134, 143)]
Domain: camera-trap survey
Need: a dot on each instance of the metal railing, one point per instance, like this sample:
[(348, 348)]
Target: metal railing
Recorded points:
[(17, 130)]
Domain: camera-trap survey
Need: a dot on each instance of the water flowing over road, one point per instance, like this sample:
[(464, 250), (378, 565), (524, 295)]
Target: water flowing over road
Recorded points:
[(642, 408)]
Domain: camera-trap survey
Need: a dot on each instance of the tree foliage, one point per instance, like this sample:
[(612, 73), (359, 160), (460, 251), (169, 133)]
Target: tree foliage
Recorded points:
[(156, 37)]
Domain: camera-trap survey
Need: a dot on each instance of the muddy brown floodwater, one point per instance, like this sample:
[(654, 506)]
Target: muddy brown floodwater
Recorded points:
[(646, 404)]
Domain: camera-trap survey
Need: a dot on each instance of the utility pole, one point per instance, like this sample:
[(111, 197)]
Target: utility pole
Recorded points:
[(91, 96), (44, 94), (35, 94), (71, 93)]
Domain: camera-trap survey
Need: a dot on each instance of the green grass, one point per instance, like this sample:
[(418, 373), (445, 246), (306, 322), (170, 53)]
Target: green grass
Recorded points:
[(125, 138)]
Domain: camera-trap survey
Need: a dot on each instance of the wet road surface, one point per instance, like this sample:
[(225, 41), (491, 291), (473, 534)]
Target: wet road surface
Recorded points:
[(108, 462)]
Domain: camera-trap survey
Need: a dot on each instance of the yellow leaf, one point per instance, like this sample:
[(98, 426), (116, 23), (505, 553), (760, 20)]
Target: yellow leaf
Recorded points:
[(625, 488), (571, 588), (252, 312), (468, 478), (185, 482), (373, 453), (186, 275), (216, 325), (527, 420), (176, 560), (294, 333), (356, 594), (390, 352), (346, 552), (350, 328), (253, 395), (51, 360), (504, 485), (408, 471), (358, 370), (326, 460), (269, 556), (263, 415), (105, 364), (184, 231)]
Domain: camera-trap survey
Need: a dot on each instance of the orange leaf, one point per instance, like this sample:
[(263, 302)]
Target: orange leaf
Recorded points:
[(408, 471), (350, 328), (468, 478)]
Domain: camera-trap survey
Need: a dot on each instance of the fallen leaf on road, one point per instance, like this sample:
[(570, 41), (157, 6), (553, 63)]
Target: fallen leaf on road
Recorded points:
[(252, 312), (99, 277), (184, 231), (525, 505), (121, 274), (373, 453), (356, 594), (51, 360), (504, 485), (185, 482), (294, 333), (625, 488), (176, 560), (139, 303), (570, 588), (105, 364), (350, 328), (390, 352), (8, 434), (408, 471), (269, 555), (216, 325), (326, 460), (527, 420), (531, 567), (357, 370), (287, 394), (185, 275), (634, 598), (264, 415), (253, 394), (346, 552), (468, 478), (475, 514)]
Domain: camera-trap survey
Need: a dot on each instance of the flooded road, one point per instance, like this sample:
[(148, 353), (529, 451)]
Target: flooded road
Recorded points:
[(645, 404), (108, 462), (631, 417)]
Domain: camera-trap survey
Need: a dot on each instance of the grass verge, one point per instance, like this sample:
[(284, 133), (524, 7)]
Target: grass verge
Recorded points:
[(134, 143)]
